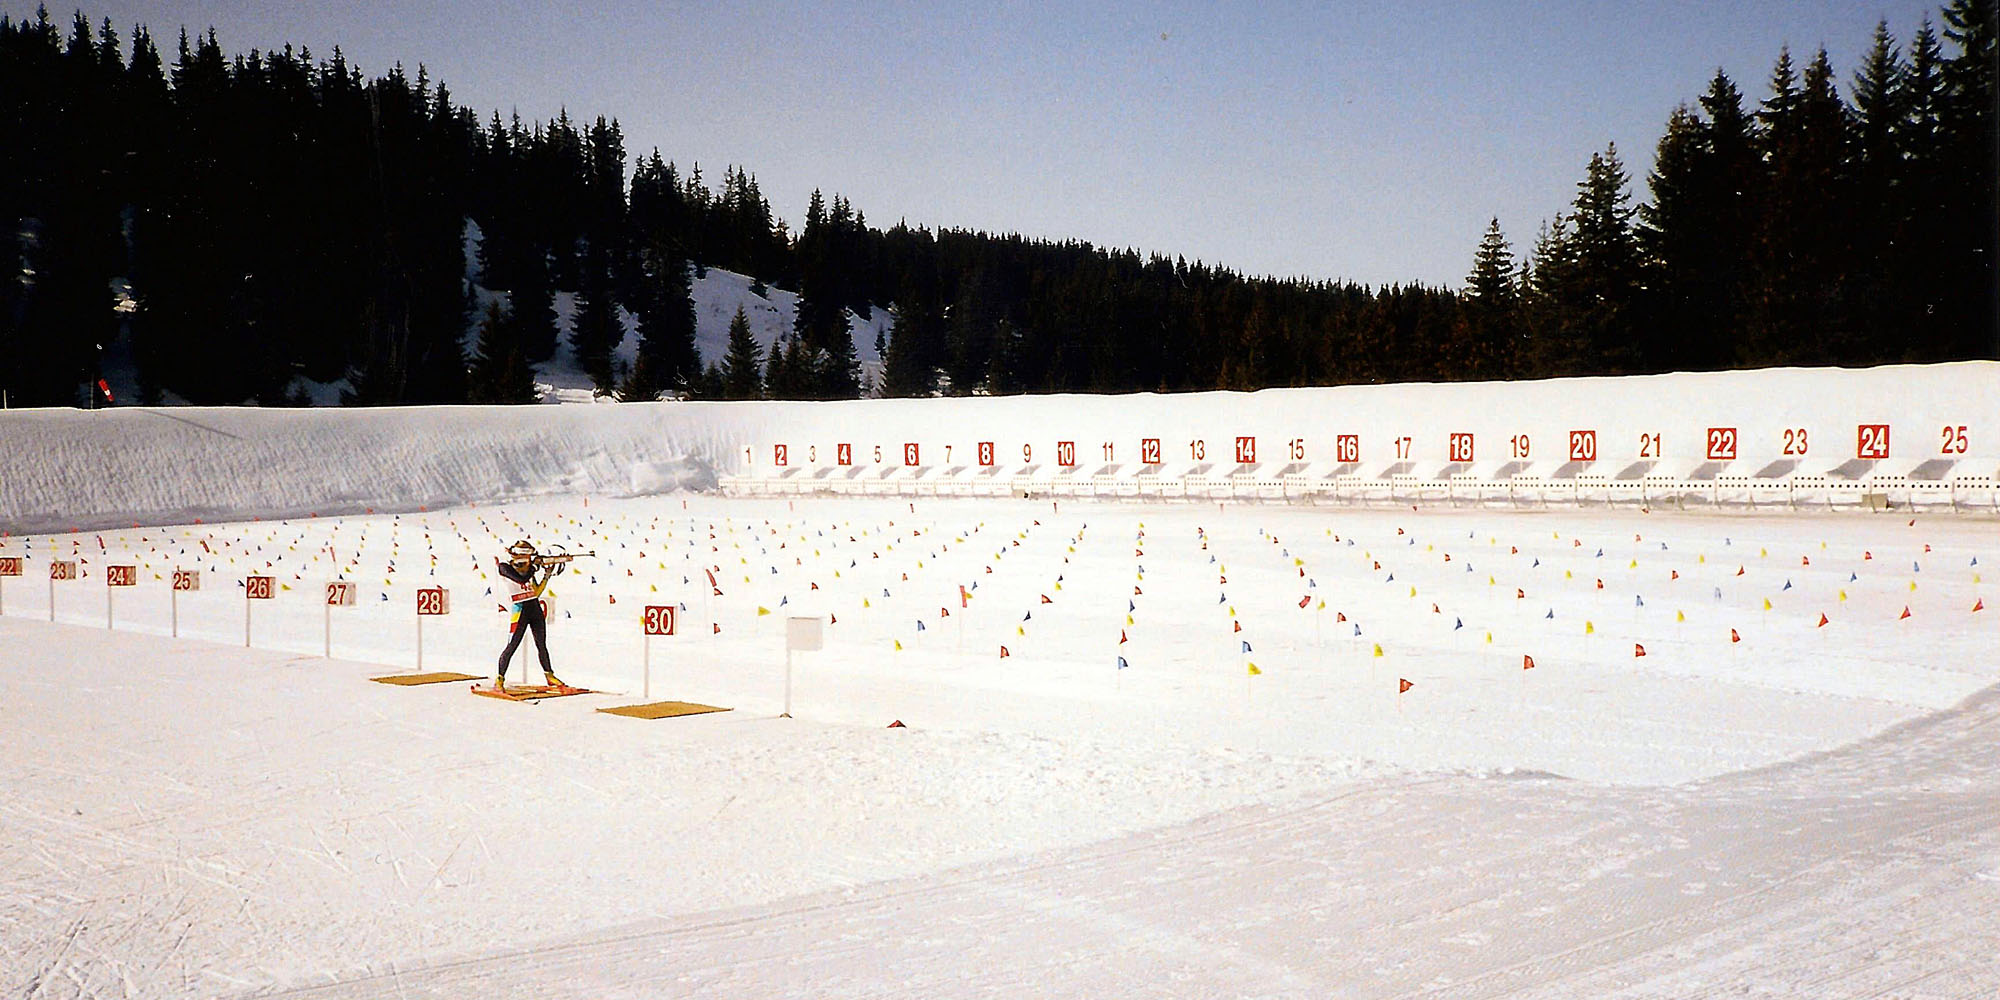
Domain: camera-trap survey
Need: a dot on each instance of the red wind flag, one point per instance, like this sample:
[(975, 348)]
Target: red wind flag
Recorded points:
[(1638, 650), (1527, 662), (1822, 620), (1303, 601), (1003, 653), (105, 388), (1905, 614), (1238, 628), (1733, 637), (1403, 685)]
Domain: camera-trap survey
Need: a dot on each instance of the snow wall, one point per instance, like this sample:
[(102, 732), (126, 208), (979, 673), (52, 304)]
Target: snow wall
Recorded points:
[(1919, 431)]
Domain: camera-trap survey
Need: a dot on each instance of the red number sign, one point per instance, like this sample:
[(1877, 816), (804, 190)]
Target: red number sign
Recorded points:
[(340, 593), (62, 569), (1066, 453), (433, 601), (1583, 446), (910, 453), (779, 454), (1721, 444), (187, 579), (1246, 451), (121, 576), (1461, 447), (10, 566), (843, 454), (1872, 441), (985, 453), (1347, 448), (659, 619), (257, 588), (1149, 451), (1955, 442)]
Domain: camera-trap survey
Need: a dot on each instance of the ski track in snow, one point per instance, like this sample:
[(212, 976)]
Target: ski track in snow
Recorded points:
[(1806, 814)]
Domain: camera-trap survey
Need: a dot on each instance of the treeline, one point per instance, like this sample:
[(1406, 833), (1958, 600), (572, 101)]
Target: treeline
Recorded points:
[(242, 222)]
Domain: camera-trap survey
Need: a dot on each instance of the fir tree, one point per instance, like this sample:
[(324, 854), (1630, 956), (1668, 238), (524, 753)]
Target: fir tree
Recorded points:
[(741, 373)]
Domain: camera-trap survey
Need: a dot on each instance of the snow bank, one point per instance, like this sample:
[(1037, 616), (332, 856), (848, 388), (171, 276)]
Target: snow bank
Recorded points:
[(69, 468)]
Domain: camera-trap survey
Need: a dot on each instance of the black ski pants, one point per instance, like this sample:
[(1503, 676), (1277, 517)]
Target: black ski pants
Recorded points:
[(532, 619)]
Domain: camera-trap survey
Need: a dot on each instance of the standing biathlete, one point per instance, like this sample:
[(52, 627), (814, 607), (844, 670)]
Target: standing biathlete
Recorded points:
[(530, 612)]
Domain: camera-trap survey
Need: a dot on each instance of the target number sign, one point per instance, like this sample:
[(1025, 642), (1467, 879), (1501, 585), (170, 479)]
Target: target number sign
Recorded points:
[(910, 453), (1066, 453), (985, 453), (1872, 441), (121, 576), (62, 569), (1347, 448), (1583, 446), (1722, 444), (659, 619), (339, 594), (780, 455), (1246, 451), (1461, 447), (187, 579), (433, 601), (10, 566), (257, 588)]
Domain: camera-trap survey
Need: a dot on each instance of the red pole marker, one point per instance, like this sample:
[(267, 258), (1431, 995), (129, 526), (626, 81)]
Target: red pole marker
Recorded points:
[(1638, 650), (1733, 637), (1403, 685), (1527, 662)]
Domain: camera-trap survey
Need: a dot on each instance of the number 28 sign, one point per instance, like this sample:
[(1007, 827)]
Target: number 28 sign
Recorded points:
[(433, 601)]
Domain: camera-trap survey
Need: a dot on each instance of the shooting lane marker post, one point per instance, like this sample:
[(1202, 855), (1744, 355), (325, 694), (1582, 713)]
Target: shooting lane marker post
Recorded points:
[(61, 569), (184, 579), (255, 588), (9, 566), (659, 620), (430, 601), (805, 635), (115, 577), (339, 594)]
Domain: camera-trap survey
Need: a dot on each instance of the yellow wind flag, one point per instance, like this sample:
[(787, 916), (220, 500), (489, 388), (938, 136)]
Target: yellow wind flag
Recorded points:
[(1767, 604), (1635, 564), (1128, 619), (1254, 671), (1378, 649), (1566, 575), (864, 601), (1019, 630), (899, 645), (1589, 628), (1413, 591), (1843, 595), (1322, 604), (1489, 638), (1680, 616)]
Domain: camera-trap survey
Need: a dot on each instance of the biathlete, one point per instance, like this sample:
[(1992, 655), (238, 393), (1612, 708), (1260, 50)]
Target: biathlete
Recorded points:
[(530, 611)]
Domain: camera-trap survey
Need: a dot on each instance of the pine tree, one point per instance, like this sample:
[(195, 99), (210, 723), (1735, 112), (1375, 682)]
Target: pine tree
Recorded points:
[(1492, 314), (741, 368), (500, 372)]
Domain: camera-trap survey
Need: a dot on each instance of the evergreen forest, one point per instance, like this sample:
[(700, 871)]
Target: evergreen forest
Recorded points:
[(237, 223)]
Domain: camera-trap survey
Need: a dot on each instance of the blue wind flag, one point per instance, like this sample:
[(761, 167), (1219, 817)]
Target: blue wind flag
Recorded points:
[(1357, 628), (1246, 645), (1787, 586), (1551, 614), (1637, 601), (1457, 623), (920, 625), (1130, 606), (782, 601), (1122, 664), (1538, 562)]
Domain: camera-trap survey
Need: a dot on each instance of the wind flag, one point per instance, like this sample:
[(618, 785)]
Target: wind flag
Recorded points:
[(1733, 637), (1403, 685), (1122, 664), (1253, 669), (1638, 650), (1003, 653), (1303, 601), (1527, 662)]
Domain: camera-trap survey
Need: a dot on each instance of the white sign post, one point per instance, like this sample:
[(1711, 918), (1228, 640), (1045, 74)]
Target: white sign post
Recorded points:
[(430, 601), (184, 579), (9, 566), (803, 634), (659, 620), (255, 588), (61, 569), (115, 577), (339, 593)]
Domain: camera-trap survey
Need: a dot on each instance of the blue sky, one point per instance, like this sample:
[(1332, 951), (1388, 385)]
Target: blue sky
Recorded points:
[(1353, 141)]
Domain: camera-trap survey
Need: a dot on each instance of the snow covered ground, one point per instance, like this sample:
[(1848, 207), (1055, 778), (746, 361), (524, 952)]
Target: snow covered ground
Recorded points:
[(1761, 804)]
